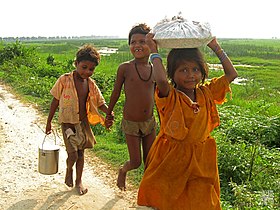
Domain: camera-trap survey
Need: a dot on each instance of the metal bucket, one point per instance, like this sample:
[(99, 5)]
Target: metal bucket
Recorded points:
[(48, 158)]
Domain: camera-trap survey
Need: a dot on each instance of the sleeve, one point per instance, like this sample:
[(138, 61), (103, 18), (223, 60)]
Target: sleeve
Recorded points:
[(95, 100), (171, 115), (96, 95), (57, 88), (162, 102), (219, 87)]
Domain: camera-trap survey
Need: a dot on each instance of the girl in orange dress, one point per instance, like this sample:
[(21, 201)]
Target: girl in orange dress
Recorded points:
[(181, 169)]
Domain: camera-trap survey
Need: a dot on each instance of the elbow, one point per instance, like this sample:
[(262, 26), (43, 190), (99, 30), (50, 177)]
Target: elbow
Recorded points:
[(163, 87), (162, 83), (232, 76)]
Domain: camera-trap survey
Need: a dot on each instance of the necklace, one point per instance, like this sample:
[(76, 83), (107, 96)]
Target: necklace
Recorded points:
[(145, 80), (195, 105)]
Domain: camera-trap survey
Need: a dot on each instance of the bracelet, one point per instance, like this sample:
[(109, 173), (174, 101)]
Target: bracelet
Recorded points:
[(222, 56), (220, 50), (216, 49), (153, 56)]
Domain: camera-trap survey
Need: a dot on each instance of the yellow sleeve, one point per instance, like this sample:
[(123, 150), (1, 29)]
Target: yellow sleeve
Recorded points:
[(56, 90), (219, 87), (95, 100)]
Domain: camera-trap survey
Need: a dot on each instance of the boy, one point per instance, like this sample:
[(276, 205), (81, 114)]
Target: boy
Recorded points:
[(79, 99), (138, 122)]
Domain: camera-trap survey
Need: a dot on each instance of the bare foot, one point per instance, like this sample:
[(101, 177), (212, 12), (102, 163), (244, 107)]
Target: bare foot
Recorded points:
[(81, 189), (69, 177), (121, 180)]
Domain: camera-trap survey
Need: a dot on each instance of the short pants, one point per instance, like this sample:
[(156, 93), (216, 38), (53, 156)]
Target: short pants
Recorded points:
[(77, 136), (140, 129)]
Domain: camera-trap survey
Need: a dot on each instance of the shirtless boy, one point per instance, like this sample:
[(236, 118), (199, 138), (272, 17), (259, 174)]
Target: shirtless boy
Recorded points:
[(138, 121), (79, 99)]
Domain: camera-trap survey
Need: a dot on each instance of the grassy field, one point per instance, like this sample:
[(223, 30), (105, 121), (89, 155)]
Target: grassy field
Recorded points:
[(248, 138)]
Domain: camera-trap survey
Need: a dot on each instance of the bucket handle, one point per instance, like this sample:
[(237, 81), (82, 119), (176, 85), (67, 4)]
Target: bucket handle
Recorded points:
[(45, 139)]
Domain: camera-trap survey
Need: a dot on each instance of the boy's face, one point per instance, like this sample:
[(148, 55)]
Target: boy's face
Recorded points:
[(85, 68), (187, 75), (138, 46)]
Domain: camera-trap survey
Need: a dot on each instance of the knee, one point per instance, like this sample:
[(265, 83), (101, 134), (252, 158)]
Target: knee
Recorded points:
[(135, 163), (80, 154), (73, 156)]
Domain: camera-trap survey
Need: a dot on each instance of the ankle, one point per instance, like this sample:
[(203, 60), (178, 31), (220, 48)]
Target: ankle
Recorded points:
[(121, 170), (78, 182)]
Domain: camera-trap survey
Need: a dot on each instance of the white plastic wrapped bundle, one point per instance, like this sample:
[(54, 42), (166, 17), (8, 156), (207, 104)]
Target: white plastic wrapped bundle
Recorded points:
[(180, 33)]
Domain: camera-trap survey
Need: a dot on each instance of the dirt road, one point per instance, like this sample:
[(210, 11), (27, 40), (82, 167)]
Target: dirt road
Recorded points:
[(23, 187)]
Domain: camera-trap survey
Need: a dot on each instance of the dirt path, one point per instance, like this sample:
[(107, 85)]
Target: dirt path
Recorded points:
[(23, 187)]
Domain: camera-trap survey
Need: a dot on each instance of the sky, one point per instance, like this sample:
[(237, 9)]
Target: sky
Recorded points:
[(47, 18)]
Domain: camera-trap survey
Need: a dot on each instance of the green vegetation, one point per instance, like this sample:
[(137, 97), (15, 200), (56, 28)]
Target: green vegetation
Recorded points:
[(249, 136)]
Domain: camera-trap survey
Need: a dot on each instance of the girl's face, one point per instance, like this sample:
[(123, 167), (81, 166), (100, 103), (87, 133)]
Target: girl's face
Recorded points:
[(187, 76), (85, 68), (138, 46)]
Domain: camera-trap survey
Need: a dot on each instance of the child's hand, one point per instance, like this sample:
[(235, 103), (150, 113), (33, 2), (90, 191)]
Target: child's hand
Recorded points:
[(151, 42), (109, 120), (108, 123), (48, 128)]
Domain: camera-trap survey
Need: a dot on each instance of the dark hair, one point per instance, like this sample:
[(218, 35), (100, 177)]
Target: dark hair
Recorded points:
[(141, 28), (176, 56), (88, 53)]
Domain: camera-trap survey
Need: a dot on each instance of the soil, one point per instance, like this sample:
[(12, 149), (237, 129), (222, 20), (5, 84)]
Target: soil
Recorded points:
[(21, 184)]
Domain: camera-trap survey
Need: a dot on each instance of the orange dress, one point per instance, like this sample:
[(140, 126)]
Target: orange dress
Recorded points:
[(181, 168)]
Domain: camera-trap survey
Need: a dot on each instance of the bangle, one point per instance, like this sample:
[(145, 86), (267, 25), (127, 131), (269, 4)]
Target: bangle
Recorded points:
[(153, 56), (222, 56), (217, 49)]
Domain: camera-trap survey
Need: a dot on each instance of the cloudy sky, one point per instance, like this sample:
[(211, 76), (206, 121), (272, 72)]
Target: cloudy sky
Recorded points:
[(228, 18)]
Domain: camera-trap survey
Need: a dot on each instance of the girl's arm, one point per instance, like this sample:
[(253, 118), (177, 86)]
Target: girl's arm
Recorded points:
[(53, 107), (229, 70), (159, 70)]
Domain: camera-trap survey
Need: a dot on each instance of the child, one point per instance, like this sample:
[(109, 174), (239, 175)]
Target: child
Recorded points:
[(181, 169), (78, 98), (138, 121)]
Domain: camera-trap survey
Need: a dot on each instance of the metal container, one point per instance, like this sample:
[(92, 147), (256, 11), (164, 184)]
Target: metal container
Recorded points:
[(48, 158)]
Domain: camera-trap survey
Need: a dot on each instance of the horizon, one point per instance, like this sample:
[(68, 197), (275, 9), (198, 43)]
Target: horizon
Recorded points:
[(66, 18), (26, 38)]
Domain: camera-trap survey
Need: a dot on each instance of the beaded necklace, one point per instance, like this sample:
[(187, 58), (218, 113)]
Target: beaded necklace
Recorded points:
[(145, 80)]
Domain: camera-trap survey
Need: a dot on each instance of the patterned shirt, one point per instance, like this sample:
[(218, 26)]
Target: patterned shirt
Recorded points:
[(64, 90)]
